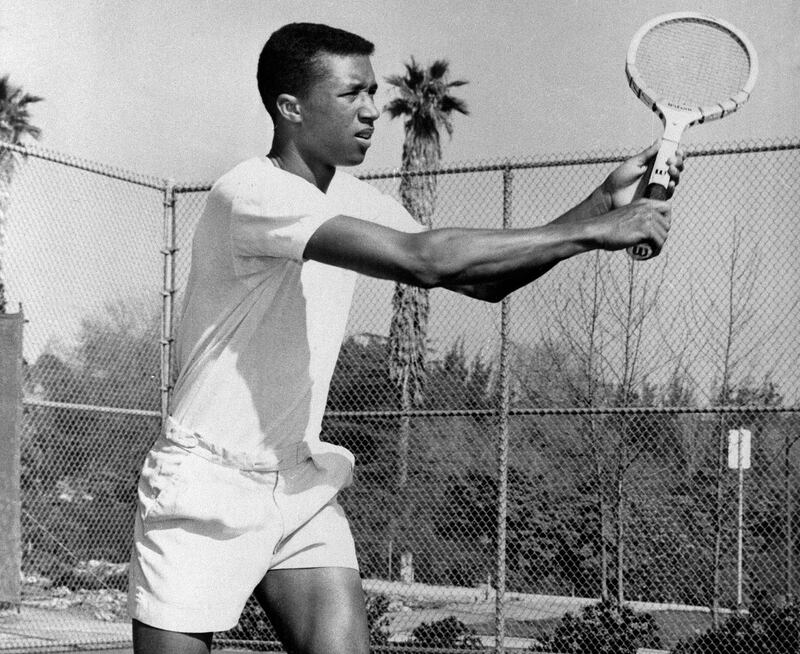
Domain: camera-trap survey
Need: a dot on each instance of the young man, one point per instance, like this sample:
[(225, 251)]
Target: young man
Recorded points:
[(239, 494)]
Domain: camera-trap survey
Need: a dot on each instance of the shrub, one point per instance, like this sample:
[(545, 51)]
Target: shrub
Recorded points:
[(449, 633), (377, 620), (604, 628), (771, 631)]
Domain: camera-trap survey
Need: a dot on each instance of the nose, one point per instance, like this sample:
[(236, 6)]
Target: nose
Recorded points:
[(369, 112)]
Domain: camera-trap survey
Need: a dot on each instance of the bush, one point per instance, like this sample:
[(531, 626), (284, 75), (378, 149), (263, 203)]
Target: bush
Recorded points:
[(449, 633), (377, 620), (772, 631), (604, 628)]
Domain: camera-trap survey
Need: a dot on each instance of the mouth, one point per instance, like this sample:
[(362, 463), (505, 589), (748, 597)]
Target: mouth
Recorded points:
[(365, 134)]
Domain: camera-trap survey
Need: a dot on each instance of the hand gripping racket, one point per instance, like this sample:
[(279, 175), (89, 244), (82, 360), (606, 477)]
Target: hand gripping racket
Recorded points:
[(688, 68)]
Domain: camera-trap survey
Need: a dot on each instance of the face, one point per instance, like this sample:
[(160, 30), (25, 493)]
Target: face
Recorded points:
[(339, 112)]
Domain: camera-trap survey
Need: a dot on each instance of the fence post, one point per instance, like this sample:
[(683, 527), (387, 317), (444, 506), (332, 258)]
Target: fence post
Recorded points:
[(504, 402), (788, 511), (167, 296), (10, 423)]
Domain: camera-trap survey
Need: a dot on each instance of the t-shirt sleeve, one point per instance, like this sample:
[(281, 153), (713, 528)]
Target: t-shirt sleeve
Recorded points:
[(273, 222), (393, 214), (386, 211)]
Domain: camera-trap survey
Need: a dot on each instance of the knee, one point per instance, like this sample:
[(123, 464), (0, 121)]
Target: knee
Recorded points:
[(347, 637), (352, 645)]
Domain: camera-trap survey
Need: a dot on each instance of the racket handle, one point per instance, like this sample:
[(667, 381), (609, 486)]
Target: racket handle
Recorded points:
[(642, 251), (655, 192)]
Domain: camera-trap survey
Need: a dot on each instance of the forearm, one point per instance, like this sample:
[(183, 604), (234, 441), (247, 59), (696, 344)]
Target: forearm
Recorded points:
[(594, 205), (502, 259)]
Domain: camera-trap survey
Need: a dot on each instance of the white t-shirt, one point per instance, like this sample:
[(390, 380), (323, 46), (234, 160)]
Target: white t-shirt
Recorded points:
[(261, 328)]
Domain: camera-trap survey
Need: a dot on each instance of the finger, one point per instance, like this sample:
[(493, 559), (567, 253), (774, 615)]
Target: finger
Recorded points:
[(662, 206), (676, 162)]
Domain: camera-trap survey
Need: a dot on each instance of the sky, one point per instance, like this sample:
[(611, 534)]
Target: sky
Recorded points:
[(168, 88)]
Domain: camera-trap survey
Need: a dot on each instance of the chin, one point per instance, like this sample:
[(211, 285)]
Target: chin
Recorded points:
[(354, 160)]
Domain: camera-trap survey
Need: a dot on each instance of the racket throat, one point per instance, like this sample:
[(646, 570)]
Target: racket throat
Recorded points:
[(673, 130), (669, 144)]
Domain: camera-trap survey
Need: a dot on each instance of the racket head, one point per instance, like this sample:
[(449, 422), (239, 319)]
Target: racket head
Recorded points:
[(689, 67)]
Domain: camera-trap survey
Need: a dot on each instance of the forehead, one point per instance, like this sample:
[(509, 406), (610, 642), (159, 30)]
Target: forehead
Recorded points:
[(346, 70)]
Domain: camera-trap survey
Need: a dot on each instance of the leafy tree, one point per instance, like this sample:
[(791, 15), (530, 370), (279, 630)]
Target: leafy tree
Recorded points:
[(455, 383), (81, 467), (442, 447), (360, 383), (15, 127)]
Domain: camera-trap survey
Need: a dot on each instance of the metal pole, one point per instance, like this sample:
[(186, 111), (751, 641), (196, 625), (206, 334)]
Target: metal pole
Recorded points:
[(167, 296), (739, 557), (739, 566), (787, 480), (11, 375), (502, 445)]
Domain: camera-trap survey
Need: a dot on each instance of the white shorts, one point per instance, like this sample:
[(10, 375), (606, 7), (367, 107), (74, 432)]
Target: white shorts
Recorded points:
[(211, 523)]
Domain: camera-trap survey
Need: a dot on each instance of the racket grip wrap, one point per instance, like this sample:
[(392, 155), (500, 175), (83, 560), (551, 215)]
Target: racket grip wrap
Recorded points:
[(654, 191)]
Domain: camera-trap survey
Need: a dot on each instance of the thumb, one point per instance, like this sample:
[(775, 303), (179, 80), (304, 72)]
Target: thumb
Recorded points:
[(644, 157)]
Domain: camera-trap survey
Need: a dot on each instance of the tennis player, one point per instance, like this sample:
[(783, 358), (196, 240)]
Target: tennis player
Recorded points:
[(239, 494)]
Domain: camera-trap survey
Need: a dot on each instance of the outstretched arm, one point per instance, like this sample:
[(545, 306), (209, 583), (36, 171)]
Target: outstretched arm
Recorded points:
[(489, 264), (619, 189)]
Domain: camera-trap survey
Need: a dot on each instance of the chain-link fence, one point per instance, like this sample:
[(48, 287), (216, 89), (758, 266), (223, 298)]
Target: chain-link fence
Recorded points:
[(573, 472)]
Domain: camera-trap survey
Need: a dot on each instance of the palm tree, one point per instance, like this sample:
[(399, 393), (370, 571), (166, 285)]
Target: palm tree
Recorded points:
[(424, 100), (15, 126)]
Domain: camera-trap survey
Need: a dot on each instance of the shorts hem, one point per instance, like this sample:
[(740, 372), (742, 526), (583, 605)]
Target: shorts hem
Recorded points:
[(299, 564), (182, 619)]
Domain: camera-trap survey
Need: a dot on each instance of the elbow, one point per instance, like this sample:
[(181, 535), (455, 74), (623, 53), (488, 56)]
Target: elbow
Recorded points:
[(495, 298), (434, 265), (438, 262), (429, 267), (492, 295)]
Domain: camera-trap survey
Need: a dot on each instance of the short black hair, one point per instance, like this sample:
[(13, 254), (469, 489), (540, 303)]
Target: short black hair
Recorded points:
[(290, 59)]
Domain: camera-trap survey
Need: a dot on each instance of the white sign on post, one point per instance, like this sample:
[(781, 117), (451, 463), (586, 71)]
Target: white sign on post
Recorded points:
[(739, 449)]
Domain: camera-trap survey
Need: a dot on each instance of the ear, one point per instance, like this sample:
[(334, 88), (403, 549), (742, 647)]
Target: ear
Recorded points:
[(289, 107)]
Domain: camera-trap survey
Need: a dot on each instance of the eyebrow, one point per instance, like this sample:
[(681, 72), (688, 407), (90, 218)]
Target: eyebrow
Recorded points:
[(358, 86)]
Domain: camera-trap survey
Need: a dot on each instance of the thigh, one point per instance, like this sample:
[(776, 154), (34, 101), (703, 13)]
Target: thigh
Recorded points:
[(316, 610), (150, 640)]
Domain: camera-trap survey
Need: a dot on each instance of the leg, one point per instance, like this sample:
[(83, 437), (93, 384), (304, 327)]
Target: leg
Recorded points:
[(149, 640), (316, 610)]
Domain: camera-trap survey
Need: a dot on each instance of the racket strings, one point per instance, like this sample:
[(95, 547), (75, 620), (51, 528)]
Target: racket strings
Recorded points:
[(692, 63)]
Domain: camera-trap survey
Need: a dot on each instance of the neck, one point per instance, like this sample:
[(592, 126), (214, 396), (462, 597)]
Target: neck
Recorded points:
[(287, 157)]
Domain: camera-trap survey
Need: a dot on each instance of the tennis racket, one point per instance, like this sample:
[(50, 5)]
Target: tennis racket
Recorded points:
[(688, 68)]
